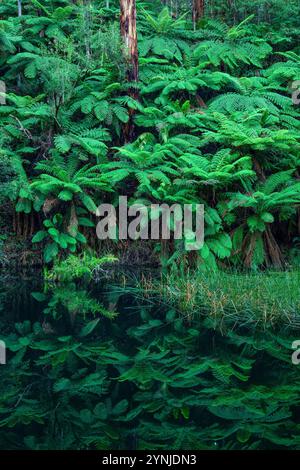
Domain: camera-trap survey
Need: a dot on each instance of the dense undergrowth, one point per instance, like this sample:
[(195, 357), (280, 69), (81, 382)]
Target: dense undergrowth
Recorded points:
[(212, 115)]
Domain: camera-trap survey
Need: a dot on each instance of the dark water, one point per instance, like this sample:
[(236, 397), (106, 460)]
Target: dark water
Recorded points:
[(148, 378)]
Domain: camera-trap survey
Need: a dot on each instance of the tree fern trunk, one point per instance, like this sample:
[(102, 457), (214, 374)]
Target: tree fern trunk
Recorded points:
[(198, 11)]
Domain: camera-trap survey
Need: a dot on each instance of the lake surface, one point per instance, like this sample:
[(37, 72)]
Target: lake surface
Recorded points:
[(99, 366)]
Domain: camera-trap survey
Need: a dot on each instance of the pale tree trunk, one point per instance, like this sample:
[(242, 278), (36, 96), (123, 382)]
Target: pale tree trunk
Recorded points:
[(198, 11), (87, 27), (107, 3), (19, 8), (129, 36), (20, 16)]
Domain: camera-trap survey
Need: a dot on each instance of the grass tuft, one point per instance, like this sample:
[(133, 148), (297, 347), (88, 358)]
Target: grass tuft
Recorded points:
[(267, 297)]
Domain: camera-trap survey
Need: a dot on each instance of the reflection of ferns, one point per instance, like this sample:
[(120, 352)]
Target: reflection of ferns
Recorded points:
[(190, 387)]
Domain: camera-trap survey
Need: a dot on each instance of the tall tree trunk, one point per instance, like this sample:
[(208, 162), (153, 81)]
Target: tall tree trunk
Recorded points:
[(87, 27), (129, 36), (19, 8), (198, 11), (19, 83)]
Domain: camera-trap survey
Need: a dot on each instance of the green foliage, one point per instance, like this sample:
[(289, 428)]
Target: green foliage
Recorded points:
[(77, 267), (57, 238), (212, 115)]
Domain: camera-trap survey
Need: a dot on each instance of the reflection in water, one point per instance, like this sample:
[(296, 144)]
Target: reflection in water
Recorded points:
[(103, 368)]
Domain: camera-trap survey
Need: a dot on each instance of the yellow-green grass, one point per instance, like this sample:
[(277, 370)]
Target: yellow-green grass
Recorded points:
[(267, 296)]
